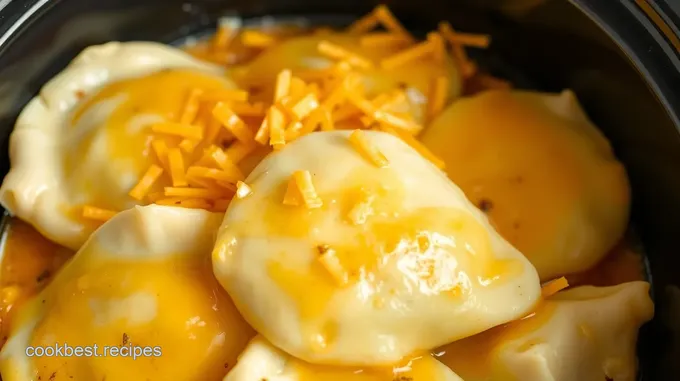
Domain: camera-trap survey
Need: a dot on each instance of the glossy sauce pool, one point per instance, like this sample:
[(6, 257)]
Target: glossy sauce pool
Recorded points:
[(29, 262)]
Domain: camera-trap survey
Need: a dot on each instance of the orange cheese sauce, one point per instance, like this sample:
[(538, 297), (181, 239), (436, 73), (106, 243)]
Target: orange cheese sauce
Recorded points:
[(623, 264), (174, 303), (473, 357), (501, 180), (117, 119), (29, 262), (530, 178)]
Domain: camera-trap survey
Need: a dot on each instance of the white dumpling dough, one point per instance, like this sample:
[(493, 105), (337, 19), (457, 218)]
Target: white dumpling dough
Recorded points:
[(38, 189), (583, 334), (143, 279), (545, 175), (263, 361), (416, 264)]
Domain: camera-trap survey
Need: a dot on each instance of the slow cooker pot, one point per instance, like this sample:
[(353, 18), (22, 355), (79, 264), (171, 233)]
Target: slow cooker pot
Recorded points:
[(622, 58)]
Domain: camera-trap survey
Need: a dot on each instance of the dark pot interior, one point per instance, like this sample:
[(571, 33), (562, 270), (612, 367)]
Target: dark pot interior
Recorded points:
[(624, 70)]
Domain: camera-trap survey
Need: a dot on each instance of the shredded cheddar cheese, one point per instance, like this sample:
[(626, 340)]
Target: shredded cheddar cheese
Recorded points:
[(190, 110), (438, 47), (225, 95), (257, 39), (227, 29), (169, 201), (437, 98), (226, 164), (195, 203), (225, 34), (411, 54), (242, 190), (415, 144), (199, 148), (305, 106), (397, 122), (466, 67), (468, 39), (331, 263), (228, 186), (282, 87), (161, 149), (98, 214), (387, 19), (339, 53), (297, 87), (232, 122), (326, 121), (293, 131), (188, 145), (364, 24), (275, 121), (384, 39), (553, 287), (192, 193), (292, 197), (197, 172), (238, 151), (248, 109), (199, 182), (262, 134), (368, 150), (176, 163), (176, 129), (303, 181), (146, 182)]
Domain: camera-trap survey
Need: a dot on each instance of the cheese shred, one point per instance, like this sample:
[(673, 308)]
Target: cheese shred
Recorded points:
[(387, 19), (437, 97), (339, 53), (176, 164), (411, 54), (415, 144), (368, 150), (176, 129), (330, 261), (232, 122), (257, 39), (146, 182), (553, 287), (276, 121)]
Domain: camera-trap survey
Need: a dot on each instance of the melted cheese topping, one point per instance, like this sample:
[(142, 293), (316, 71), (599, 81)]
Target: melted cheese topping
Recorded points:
[(586, 333), (262, 361), (392, 260), (110, 134), (301, 54), (84, 140), (544, 175), (142, 280)]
